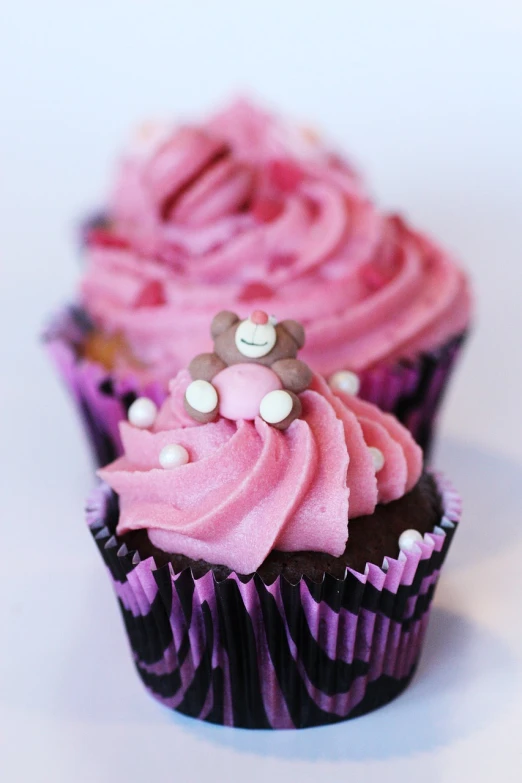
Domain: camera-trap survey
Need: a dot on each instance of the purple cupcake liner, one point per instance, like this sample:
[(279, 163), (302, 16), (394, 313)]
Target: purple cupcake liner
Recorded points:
[(241, 652), (102, 401), (411, 390)]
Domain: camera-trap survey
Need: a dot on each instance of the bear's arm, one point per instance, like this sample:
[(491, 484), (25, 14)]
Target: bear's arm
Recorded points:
[(295, 375), (205, 367)]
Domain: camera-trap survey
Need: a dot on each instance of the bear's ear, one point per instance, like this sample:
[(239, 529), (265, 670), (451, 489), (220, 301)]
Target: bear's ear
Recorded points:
[(295, 330), (222, 321)]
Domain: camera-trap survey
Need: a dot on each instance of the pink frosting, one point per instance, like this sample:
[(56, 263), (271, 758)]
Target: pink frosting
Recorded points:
[(244, 213), (250, 488)]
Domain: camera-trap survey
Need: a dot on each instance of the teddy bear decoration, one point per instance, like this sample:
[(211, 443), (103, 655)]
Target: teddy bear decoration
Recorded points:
[(253, 371)]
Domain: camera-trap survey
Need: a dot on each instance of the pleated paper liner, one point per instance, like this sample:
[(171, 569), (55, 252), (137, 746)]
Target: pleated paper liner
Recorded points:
[(412, 390), (241, 652), (101, 400)]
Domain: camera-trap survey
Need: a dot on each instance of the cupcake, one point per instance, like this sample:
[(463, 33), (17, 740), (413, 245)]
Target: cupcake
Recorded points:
[(274, 547), (244, 212)]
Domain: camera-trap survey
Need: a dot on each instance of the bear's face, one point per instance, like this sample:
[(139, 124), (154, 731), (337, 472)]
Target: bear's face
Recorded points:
[(257, 339)]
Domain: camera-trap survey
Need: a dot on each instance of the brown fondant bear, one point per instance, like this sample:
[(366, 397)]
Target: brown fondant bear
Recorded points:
[(252, 372)]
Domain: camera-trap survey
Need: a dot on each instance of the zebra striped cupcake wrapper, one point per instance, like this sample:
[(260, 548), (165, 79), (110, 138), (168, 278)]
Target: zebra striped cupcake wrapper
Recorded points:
[(101, 400), (411, 390), (244, 653)]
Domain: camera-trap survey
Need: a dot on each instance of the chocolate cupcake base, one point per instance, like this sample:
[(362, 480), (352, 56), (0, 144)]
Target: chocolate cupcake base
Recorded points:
[(411, 390), (246, 652)]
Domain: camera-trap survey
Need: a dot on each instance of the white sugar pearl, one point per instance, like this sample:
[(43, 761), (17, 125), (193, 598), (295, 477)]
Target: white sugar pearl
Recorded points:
[(201, 396), (173, 455), (377, 457), (408, 539), (142, 413), (345, 381), (276, 406)]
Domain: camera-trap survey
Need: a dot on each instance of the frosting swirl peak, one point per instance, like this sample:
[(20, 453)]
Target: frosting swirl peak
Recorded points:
[(246, 213)]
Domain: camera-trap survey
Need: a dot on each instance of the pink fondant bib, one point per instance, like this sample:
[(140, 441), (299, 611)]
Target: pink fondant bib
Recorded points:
[(241, 388)]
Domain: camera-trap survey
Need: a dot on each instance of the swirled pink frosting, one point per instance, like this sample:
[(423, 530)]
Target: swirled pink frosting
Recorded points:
[(250, 488), (243, 213)]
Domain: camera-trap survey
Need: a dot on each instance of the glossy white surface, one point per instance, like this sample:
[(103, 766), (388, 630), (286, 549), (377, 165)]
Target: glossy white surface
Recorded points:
[(346, 381), (427, 98), (173, 455), (142, 413)]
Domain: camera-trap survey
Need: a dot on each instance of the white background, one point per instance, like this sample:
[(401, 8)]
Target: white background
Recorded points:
[(426, 97)]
